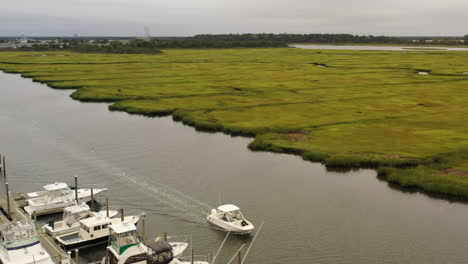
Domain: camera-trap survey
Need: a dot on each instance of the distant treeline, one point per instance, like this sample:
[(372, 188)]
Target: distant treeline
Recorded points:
[(103, 46), (153, 46), (330, 38), (200, 43)]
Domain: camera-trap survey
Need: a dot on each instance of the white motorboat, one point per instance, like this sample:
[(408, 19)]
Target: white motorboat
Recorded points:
[(229, 218), (93, 231), (55, 197), (20, 245), (125, 246), (178, 246), (71, 217)]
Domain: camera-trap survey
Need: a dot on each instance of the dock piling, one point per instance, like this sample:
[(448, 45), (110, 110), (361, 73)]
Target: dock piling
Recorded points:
[(77, 256), (165, 236), (7, 189), (122, 216), (107, 207), (76, 189), (92, 199), (192, 259), (143, 229)]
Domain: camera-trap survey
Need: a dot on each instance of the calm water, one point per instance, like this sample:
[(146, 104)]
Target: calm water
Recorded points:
[(175, 173), (359, 47)]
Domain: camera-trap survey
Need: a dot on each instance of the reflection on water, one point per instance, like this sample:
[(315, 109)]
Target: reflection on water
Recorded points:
[(176, 174)]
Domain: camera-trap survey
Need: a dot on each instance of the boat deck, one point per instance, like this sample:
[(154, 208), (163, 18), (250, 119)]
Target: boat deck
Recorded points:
[(17, 203), (71, 238)]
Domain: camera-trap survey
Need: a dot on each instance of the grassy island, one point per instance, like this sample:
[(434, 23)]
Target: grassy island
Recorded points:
[(401, 112)]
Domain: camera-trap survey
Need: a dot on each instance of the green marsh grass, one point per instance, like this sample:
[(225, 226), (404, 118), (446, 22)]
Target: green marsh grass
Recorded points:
[(365, 109)]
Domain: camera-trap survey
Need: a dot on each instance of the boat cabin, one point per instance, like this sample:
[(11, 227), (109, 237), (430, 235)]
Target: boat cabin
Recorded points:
[(123, 236), (58, 190), (17, 235), (74, 213), (94, 227)]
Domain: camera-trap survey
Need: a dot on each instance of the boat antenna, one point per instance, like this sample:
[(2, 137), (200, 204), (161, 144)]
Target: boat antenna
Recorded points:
[(251, 244), (220, 247), (235, 254)]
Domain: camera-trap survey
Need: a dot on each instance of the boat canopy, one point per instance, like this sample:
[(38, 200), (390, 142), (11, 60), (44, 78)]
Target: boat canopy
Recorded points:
[(55, 186), (159, 252), (228, 208)]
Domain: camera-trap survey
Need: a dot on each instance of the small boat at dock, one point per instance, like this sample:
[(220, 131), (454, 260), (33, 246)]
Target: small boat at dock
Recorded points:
[(55, 197), (93, 231), (71, 219), (125, 246), (20, 245), (229, 218)]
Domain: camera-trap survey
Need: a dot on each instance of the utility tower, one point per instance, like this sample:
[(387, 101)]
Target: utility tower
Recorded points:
[(147, 32)]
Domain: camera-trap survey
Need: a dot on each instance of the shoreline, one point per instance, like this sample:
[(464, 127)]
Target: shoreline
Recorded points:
[(421, 174)]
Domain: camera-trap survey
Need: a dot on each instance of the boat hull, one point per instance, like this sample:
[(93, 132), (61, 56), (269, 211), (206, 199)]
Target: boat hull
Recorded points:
[(226, 226), (101, 241)]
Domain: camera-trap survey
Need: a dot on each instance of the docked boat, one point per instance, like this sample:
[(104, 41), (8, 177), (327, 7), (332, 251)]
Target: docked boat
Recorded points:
[(20, 245), (125, 246), (93, 231), (229, 218), (55, 197), (71, 218)]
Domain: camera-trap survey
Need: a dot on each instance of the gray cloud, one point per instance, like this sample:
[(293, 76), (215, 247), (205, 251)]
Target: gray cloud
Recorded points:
[(188, 17)]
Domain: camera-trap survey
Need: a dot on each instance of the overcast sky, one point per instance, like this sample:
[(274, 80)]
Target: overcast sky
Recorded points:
[(190, 17)]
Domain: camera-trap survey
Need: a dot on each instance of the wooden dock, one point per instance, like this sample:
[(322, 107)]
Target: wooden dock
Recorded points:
[(17, 202)]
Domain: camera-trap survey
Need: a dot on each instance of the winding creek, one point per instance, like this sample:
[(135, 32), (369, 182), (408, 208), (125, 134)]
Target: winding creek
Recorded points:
[(174, 174)]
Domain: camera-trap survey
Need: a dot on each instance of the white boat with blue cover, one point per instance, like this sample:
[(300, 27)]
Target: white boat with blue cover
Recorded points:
[(20, 245)]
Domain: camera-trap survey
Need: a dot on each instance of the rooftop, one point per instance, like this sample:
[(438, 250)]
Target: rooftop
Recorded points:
[(123, 227), (96, 220)]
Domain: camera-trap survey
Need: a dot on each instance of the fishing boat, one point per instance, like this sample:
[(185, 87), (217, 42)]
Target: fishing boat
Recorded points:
[(55, 197), (125, 246), (93, 231), (71, 218), (229, 218), (20, 245)]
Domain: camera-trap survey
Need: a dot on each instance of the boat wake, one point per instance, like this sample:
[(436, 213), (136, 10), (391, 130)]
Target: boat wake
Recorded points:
[(174, 202)]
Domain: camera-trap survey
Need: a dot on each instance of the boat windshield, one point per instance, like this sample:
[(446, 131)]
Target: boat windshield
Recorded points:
[(232, 216), (18, 234)]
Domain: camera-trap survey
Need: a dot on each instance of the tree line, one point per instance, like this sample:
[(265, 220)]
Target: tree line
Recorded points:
[(330, 38)]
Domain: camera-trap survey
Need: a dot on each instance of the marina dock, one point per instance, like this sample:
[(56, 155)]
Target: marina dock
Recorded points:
[(11, 208), (17, 202)]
